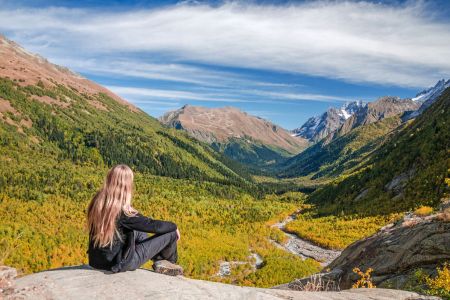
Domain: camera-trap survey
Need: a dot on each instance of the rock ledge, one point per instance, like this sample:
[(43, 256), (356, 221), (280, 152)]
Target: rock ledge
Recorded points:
[(83, 282)]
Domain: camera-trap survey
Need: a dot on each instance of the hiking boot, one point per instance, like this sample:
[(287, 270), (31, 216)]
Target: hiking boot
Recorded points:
[(167, 268)]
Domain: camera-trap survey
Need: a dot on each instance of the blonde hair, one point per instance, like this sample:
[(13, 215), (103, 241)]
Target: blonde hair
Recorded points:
[(112, 199)]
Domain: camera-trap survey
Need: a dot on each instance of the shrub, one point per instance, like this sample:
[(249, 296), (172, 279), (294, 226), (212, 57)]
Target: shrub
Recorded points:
[(365, 280), (423, 211), (440, 285)]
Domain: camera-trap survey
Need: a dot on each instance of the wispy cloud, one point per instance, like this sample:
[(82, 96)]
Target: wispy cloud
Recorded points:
[(176, 72), (170, 95), (353, 41), (139, 95)]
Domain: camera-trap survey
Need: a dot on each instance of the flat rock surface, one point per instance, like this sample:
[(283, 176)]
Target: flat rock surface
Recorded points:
[(82, 282)]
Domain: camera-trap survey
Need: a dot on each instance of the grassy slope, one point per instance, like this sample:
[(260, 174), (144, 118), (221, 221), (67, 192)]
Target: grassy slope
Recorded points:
[(86, 134)]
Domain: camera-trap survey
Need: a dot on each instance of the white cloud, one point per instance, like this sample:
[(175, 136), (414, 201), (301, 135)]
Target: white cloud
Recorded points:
[(170, 95), (297, 96), (145, 95), (354, 41), (132, 67)]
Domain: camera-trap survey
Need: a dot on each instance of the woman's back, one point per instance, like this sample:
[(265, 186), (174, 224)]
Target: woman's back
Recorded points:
[(118, 239), (108, 257)]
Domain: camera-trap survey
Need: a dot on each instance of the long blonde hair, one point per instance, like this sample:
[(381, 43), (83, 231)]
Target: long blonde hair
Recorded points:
[(112, 199)]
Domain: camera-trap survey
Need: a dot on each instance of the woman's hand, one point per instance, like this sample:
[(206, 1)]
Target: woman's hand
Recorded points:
[(178, 235)]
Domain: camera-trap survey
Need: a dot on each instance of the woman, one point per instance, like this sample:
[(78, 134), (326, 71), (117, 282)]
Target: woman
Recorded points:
[(118, 239)]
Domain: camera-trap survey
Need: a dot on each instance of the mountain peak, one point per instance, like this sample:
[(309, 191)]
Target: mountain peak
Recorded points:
[(318, 127), (432, 92), (220, 125)]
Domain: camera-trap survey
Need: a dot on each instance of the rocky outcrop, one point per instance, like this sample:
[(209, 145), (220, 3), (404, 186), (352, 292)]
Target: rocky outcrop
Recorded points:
[(82, 282), (393, 253)]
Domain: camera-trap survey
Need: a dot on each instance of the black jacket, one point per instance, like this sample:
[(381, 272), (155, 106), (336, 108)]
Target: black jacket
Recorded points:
[(116, 257)]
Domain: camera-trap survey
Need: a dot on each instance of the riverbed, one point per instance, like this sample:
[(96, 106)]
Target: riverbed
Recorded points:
[(303, 248)]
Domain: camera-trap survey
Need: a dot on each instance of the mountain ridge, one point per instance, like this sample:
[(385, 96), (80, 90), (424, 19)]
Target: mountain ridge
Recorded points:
[(349, 145), (409, 170), (30, 69), (239, 135)]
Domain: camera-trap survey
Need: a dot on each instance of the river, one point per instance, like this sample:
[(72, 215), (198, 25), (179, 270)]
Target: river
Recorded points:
[(304, 248)]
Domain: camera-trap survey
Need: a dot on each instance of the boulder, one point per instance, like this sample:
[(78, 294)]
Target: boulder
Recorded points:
[(394, 253)]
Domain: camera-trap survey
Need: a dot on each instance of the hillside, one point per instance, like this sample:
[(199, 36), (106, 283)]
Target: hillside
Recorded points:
[(240, 136), (407, 171), (60, 114)]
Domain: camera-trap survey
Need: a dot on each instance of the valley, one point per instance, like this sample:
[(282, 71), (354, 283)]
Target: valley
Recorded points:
[(257, 205)]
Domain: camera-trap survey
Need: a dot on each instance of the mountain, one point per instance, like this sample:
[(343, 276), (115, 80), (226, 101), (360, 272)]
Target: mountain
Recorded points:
[(429, 96), (240, 136), (52, 114), (352, 143), (384, 107), (341, 155), (318, 127), (26, 68), (432, 93), (409, 170)]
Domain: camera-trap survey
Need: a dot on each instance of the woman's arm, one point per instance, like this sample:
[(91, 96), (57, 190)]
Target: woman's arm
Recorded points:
[(142, 223)]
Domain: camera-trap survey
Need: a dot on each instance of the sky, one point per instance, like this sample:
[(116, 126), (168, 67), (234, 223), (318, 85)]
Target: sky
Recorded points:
[(281, 60)]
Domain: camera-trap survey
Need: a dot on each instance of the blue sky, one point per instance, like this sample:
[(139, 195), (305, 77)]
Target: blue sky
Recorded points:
[(281, 60)]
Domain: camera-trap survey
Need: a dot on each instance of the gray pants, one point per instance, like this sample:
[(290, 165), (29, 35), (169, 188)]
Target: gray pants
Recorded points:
[(156, 247)]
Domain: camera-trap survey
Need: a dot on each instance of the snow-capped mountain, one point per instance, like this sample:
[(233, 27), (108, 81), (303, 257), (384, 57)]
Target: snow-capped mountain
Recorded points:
[(320, 126), (429, 96), (357, 113), (349, 108), (432, 92), (382, 108)]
